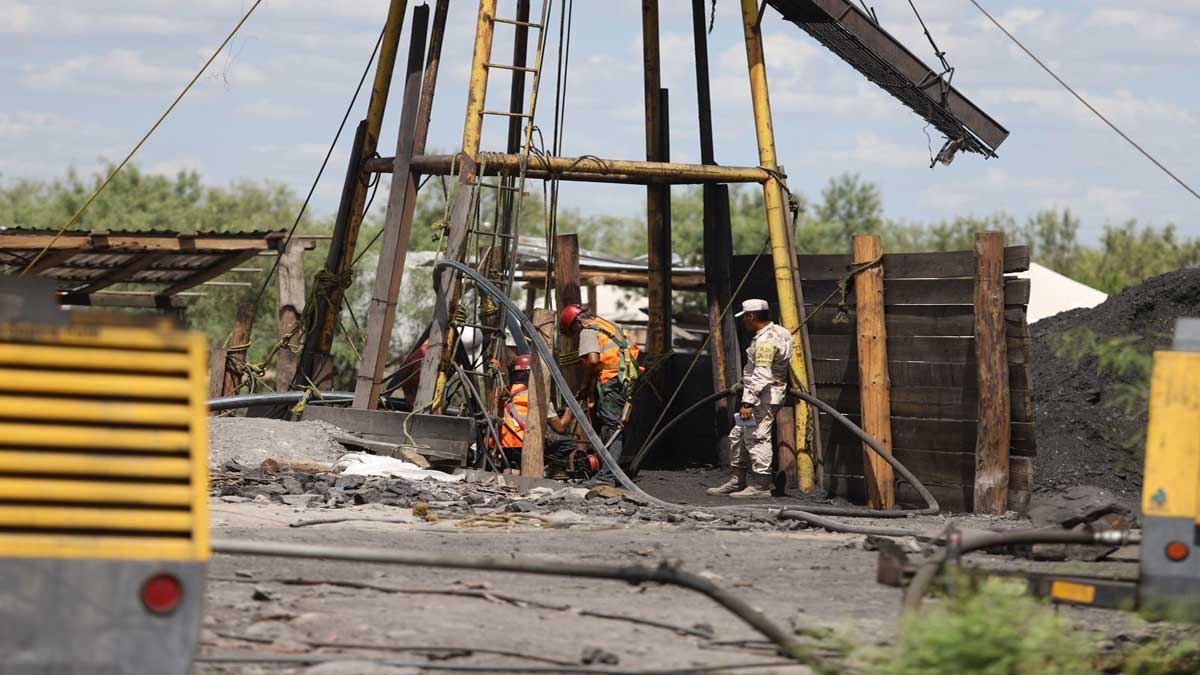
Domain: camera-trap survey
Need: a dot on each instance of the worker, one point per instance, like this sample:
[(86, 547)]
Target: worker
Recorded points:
[(610, 366), (764, 383), (514, 415)]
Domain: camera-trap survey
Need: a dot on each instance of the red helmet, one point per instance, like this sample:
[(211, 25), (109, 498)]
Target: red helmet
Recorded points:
[(568, 316), (522, 362)]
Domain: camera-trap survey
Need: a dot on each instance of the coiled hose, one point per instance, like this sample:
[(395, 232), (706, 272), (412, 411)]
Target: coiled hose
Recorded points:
[(807, 513)]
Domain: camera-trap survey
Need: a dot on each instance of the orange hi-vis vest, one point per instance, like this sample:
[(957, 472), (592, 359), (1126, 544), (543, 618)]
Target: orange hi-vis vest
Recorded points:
[(618, 354), (516, 410)]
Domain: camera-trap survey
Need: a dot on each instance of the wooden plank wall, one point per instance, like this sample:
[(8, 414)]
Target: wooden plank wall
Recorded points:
[(929, 306)]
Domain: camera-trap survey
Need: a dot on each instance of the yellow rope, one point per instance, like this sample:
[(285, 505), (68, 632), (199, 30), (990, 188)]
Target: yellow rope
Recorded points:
[(72, 220)]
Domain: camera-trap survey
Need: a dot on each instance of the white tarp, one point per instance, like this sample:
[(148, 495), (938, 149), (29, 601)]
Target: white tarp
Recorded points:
[(1052, 293), (366, 464)]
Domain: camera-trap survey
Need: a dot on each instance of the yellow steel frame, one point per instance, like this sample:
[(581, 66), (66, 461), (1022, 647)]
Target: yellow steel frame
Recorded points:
[(51, 421)]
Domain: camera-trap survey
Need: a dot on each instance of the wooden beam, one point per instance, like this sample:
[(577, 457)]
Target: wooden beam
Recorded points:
[(217, 361), (679, 281), (117, 275), (567, 292), (136, 243), (210, 272), (51, 259), (129, 299), (993, 437), (291, 308), (393, 250), (874, 386), (533, 446)]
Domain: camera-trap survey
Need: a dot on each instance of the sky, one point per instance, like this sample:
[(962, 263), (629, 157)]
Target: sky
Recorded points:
[(82, 80)]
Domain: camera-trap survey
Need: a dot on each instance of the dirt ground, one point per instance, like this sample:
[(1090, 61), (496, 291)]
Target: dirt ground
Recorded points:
[(803, 579)]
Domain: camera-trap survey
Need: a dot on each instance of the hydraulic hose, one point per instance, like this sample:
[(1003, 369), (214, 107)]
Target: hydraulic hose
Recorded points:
[(808, 513)]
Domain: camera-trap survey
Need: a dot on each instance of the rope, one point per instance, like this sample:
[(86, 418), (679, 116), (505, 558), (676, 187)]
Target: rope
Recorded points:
[(1082, 100), (321, 171), (79, 213)]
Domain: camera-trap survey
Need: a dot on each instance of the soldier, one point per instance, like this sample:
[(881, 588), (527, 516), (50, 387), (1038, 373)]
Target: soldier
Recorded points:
[(764, 383)]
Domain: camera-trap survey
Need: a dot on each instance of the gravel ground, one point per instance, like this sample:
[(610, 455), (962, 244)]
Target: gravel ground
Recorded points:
[(251, 440)]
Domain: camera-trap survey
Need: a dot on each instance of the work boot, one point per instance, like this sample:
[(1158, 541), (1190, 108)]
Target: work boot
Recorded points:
[(760, 486), (737, 481)]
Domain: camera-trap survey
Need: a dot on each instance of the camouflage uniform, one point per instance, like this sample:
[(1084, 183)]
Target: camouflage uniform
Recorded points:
[(764, 383)]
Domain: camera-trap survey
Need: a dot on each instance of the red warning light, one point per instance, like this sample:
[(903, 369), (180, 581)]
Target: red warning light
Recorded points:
[(1177, 551), (161, 593)]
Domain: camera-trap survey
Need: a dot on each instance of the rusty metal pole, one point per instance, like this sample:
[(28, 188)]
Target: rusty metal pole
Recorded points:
[(431, 368), (402, 197), (658, 197), (783, 253), (314, 361)]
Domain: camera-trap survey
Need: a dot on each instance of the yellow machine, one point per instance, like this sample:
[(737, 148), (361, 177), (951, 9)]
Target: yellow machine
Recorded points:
[(1170, 563), (103, 496)]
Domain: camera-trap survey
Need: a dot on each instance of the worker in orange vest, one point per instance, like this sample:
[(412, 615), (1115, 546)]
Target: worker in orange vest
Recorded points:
[(610, 359), (514, 414)]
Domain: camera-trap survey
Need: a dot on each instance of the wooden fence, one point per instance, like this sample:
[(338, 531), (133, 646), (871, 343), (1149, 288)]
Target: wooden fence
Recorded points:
[(929, 314)]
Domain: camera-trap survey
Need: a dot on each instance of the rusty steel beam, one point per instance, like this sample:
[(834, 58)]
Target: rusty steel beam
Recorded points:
[(586, 168)]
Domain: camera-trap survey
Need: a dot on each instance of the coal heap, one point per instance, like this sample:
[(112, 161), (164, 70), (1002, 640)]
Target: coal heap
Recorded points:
[(1081, 439)]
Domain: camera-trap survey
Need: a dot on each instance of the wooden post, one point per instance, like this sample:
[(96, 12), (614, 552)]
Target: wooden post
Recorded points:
[(874, 386), (291, 307), (991, 358), (718, 280), (533, 448), (402, 197), (591, 295), (658, 197), (237, 346), (216, 373), (566, 284), (531, 295)]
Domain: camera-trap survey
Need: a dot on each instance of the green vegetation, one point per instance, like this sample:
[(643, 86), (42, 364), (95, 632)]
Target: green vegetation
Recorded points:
[(848, 205), (1126, 361), (997, 630), (1162, 657)]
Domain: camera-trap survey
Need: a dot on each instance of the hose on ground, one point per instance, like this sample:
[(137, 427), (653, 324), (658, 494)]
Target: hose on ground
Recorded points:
[(663, 573), (968, 542), (811, 514)]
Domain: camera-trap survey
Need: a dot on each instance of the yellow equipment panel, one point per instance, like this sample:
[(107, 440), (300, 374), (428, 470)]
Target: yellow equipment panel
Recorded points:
[(103, 443), (1171, 487)]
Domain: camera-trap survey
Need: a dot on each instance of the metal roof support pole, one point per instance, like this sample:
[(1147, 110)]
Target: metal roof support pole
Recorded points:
[(783, 253), (315, 364)]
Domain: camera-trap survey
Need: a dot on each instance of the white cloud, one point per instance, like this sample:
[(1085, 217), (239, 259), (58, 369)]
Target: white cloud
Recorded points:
[(173, 167), (15, 126), (118, 65), (16, 18), (271, 111)]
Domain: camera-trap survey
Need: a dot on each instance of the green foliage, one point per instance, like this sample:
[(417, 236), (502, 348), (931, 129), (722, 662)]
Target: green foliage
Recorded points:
[(997, 630), (1163, 658), (1127, 362)]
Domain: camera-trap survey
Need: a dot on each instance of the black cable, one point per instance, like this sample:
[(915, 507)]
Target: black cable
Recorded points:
[(1082, 100), (480, 667), (321, 171)]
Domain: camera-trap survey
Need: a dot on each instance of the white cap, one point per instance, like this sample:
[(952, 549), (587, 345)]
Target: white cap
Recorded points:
[(753, 305)]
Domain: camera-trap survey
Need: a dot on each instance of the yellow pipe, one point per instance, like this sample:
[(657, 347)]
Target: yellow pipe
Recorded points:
[(782, 255), (383, 74), (484, 31), (581, 167)]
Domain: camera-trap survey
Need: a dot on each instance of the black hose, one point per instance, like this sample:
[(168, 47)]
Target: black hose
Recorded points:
[(275, 398), (809, 513)]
